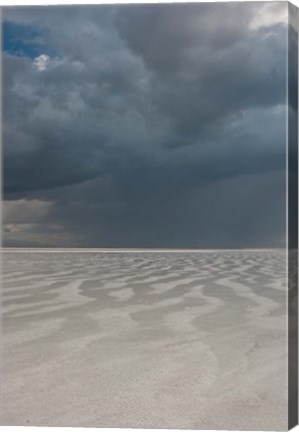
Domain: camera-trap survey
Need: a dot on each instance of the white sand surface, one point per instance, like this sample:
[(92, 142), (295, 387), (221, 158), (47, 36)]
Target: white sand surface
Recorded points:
[(145, 339)]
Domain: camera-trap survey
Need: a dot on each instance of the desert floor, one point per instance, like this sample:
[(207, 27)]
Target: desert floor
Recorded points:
[(181, 339)]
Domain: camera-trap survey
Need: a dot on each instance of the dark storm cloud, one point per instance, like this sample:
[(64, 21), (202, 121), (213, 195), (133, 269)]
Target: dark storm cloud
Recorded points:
[(206, 64), (130, 114)]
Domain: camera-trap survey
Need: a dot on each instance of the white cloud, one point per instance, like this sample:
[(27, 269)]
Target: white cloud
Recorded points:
[(41, 62), (24, 211), (270, 14)]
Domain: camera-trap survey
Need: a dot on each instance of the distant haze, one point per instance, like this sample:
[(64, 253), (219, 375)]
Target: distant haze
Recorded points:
[(159, 125)]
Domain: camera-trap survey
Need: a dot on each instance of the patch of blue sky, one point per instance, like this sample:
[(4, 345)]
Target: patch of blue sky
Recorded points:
[(25, 40)]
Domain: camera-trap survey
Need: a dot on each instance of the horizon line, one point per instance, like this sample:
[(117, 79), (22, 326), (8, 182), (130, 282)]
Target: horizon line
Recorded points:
[(130, 249)]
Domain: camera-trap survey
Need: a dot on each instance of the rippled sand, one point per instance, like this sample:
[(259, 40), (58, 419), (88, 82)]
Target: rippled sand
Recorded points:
[(145, 339)]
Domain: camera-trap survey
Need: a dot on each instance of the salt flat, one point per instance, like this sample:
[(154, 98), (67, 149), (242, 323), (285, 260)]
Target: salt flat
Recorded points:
[(181, 339)]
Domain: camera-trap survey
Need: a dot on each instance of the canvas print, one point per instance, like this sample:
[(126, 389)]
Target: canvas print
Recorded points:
[(149, 232)]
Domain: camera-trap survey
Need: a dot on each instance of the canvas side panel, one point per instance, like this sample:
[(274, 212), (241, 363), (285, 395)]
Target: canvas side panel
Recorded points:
[(292, 89)]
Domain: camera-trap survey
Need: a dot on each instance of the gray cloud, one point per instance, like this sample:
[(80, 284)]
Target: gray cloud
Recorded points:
[(145, 121)]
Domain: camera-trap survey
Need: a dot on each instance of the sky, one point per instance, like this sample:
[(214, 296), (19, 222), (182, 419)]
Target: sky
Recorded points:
[(159, 125)]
